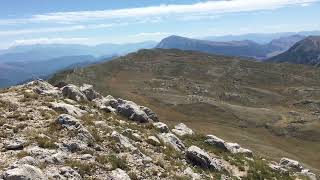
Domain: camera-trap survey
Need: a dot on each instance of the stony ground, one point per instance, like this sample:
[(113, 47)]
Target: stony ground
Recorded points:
[(75, 133)]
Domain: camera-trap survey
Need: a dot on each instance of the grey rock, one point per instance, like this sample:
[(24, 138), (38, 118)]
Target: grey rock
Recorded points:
[(123, 140), (132, 111), (182, 130), (151, 115), (199, 157), (290, 164), (89, 92), (63, 173), (118, 174), (15, 144), (235, 148), (74, 145), (24, 172), (278, 168), (69, 173), (68, 121), (67, 108), (73, 92), (26, 160), (71, 123), (44, 88), (153, 141), (172, 140), (309, 174), (215, 141), (192, 175), (162, 127)]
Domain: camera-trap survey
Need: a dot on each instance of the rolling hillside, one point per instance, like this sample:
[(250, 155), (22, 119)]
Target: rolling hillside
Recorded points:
[(271, 108)]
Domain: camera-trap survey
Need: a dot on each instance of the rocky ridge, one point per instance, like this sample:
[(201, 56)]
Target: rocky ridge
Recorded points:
[(73, 132)]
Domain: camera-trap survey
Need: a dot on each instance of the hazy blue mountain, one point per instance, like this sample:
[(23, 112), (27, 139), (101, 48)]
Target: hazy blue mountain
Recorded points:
[(243, 48), (12, 73), (42, 52), (306, 51), (262, 38)]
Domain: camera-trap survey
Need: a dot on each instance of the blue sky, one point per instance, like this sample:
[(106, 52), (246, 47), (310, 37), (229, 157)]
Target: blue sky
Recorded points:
[(123, 21)]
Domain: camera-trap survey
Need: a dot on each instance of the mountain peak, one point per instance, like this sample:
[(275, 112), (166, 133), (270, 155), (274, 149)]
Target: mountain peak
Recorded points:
[(306, 51)]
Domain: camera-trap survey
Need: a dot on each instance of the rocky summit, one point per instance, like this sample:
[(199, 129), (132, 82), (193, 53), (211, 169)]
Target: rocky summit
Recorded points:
[(73, 132)]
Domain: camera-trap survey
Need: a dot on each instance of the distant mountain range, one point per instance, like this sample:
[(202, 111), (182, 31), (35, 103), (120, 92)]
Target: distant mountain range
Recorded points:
[(17, 72), (306, 51), (21, 63), (41, 52), (261, 38), (244, 48)]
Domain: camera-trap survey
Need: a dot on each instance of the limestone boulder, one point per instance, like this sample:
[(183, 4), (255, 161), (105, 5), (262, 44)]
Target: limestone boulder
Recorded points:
[(182, 130), (199, 157), (162, 127), (172, 141), (73, 92), (24, 172)]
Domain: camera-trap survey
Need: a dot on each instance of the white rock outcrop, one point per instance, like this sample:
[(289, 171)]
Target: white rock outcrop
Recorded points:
[(182, 130), (172, 141), (118, 174), (67, 108), (162, 127), (24, 172)]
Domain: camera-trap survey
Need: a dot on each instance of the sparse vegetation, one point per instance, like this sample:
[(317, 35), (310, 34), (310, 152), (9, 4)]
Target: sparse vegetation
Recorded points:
[(117, 162), (84, 168), (45, 142)]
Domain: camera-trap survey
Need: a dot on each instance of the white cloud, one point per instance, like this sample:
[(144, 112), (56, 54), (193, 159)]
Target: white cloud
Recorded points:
[(150, 34), (41, 30), (50, 41), (209, 7), (56, 29)]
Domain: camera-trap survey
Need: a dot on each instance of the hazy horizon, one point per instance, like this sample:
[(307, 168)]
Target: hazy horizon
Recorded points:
[(97, 22)]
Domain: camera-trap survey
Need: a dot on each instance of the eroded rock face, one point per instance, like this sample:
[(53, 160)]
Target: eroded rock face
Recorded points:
[(199, 157), (182, 130), (73, 92), (24, 172), (172, 141), (118, 174)]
